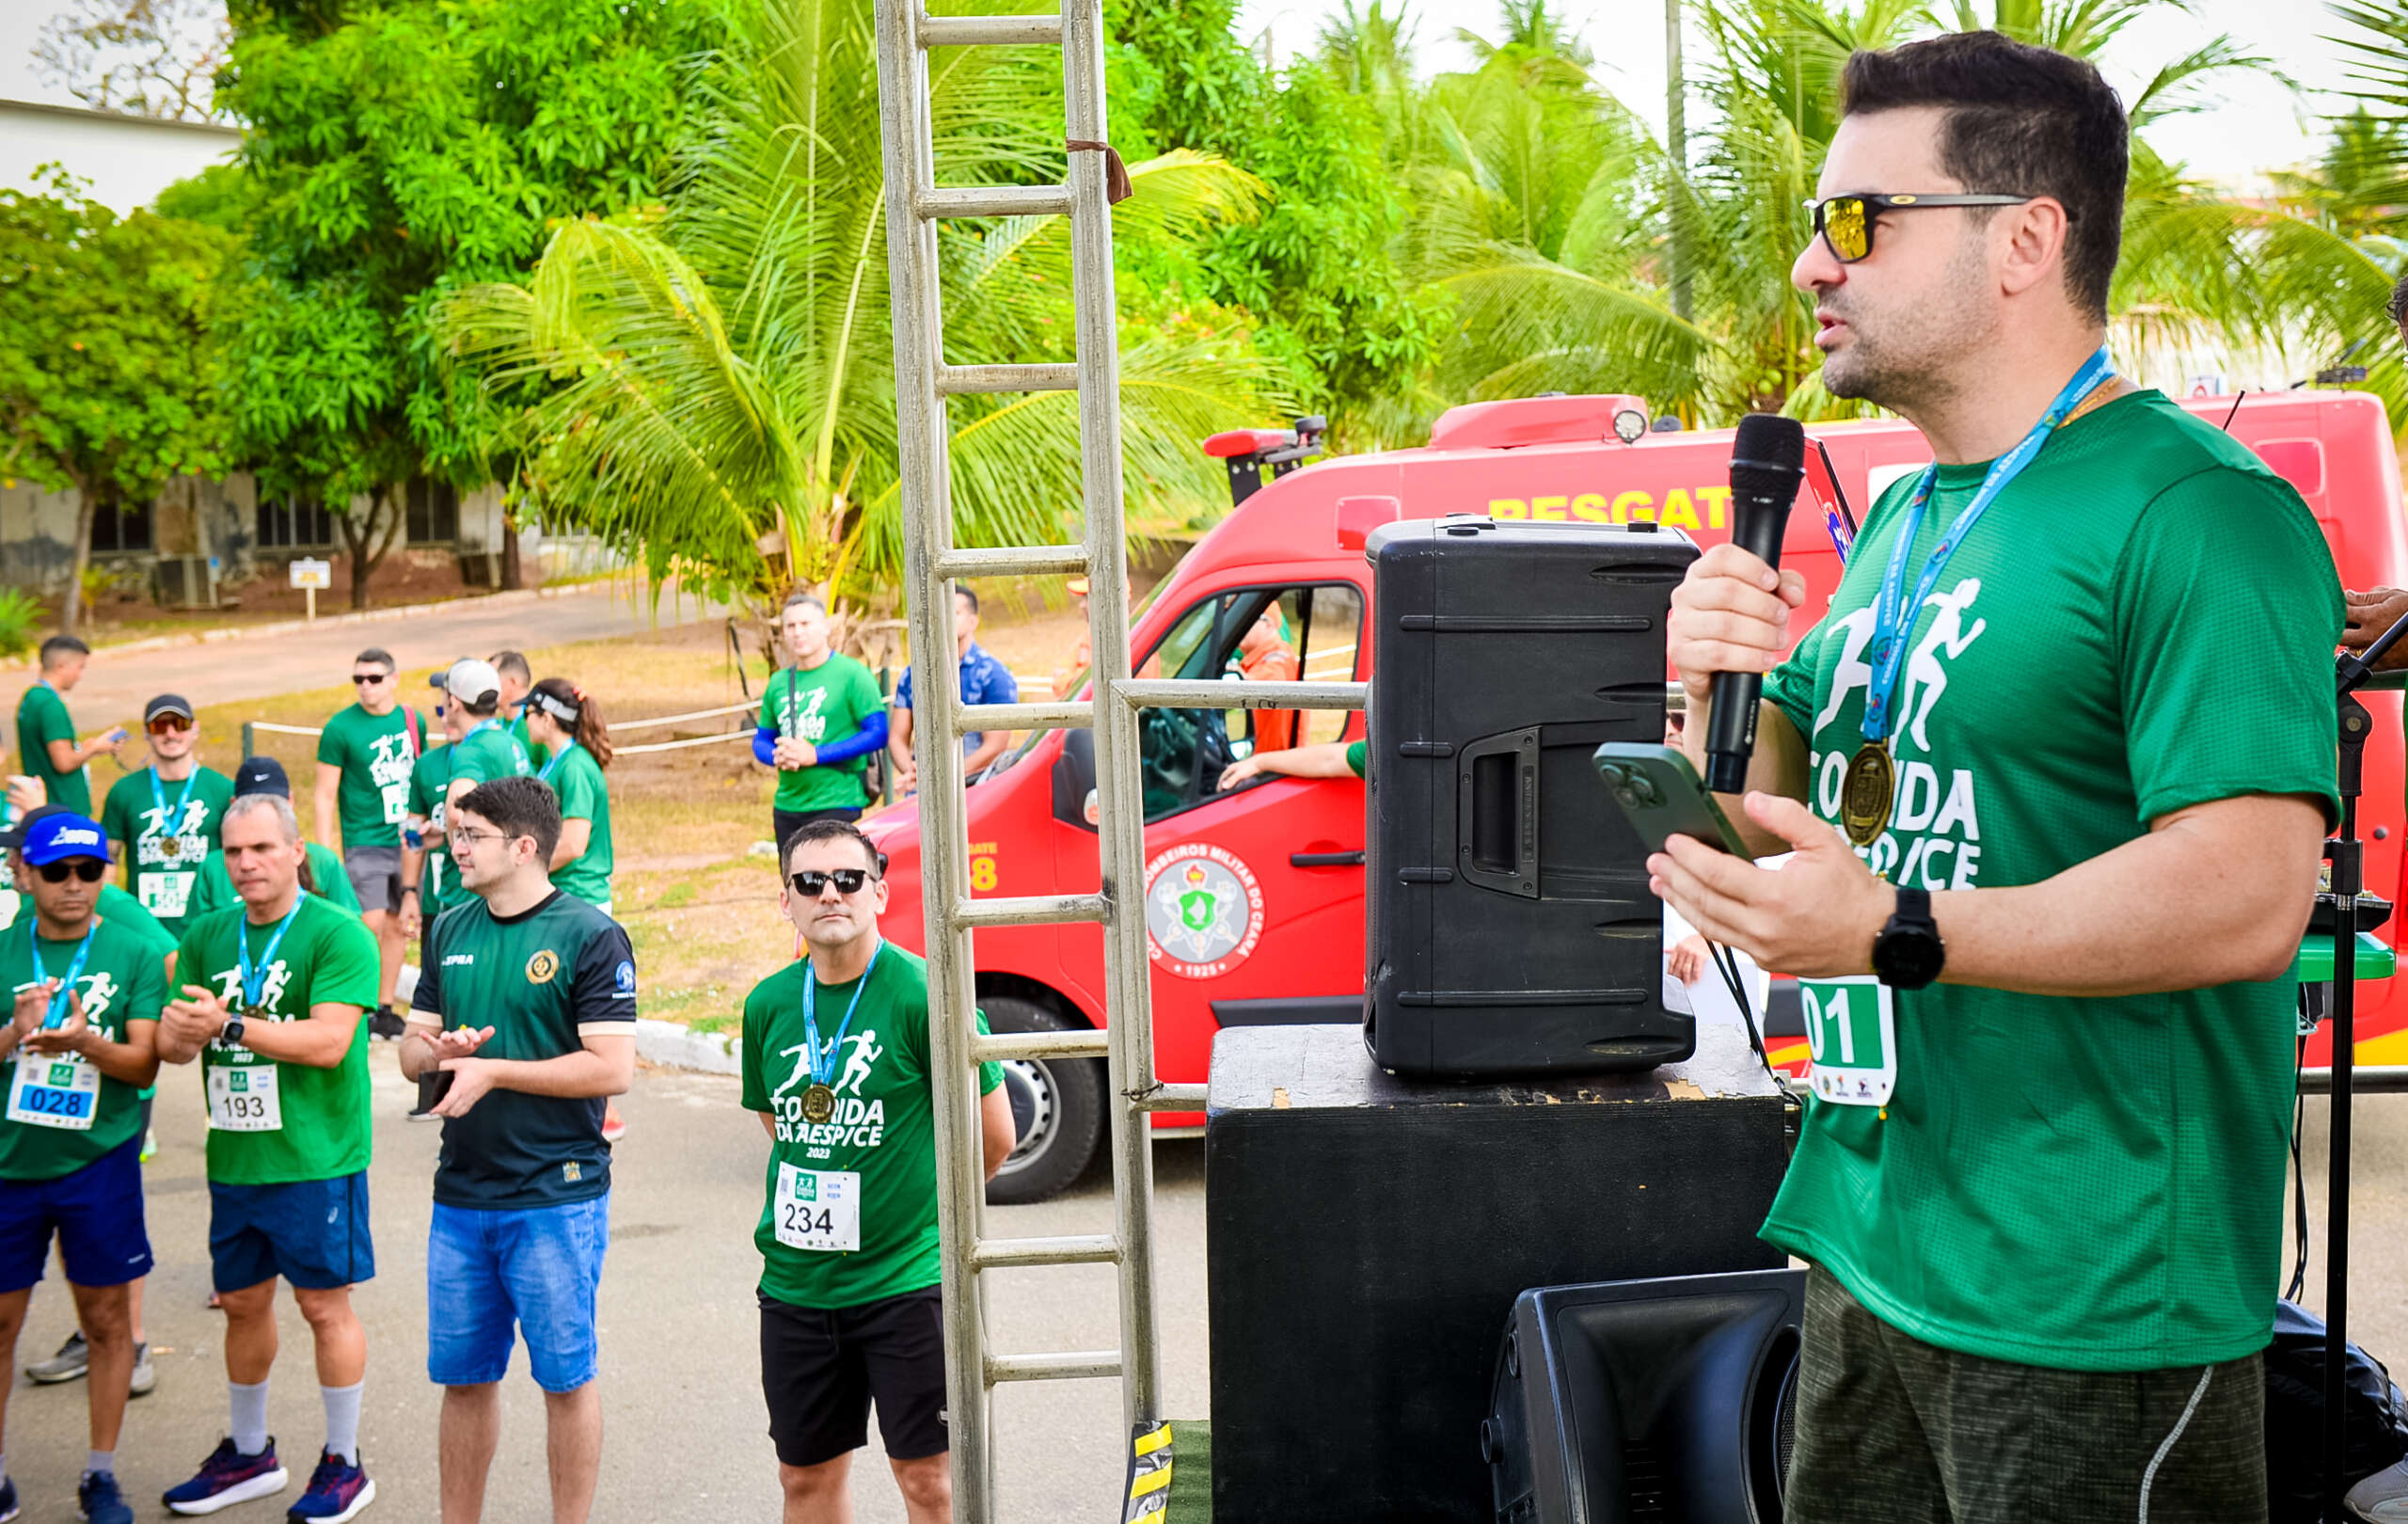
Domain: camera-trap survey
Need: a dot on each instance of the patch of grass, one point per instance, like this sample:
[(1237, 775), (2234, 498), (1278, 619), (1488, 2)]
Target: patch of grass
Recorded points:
[(675, 894)]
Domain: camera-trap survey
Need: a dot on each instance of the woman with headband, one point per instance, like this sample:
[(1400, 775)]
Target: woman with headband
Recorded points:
[(566, 723)]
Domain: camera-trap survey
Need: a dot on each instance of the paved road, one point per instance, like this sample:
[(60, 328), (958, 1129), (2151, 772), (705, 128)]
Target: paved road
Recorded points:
[(680, 1363), (218, 671)]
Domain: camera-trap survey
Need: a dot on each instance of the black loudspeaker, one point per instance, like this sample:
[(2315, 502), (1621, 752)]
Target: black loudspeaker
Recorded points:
[(1509, 930), (1636, 1400)]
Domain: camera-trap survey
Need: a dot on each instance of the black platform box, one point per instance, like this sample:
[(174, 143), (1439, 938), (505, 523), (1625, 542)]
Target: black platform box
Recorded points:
[(1368, 1236)]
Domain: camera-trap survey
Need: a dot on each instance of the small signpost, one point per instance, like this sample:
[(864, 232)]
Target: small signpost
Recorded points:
[(313, 575)]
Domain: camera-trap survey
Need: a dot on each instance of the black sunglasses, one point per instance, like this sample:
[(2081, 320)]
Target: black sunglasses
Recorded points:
[(847, 882), (370, 676), (1845, 222), (86, 868)]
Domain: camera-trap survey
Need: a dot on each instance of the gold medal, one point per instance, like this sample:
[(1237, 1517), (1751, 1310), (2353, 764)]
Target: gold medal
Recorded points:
[(1865, 798), (819, 1104), (172, 847)]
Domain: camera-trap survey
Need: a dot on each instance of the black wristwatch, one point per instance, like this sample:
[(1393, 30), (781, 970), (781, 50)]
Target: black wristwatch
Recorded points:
[(1909, 953), (231, 1032)]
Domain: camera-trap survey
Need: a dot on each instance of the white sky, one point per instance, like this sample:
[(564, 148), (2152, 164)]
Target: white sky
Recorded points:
[(2257, 125)]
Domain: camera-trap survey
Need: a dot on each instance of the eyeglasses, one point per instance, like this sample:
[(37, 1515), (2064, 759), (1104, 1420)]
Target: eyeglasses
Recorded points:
[(86, 868), (462, 834), (847, 882), (169, 725), (372, 679), (1845, 222)]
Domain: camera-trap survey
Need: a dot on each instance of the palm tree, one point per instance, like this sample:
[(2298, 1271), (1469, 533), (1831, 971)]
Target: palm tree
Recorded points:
[(717, 372)]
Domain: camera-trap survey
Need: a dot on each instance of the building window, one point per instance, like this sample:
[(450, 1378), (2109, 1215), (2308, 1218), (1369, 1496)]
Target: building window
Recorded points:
[(116, 531), (433, 513), (294, 523)]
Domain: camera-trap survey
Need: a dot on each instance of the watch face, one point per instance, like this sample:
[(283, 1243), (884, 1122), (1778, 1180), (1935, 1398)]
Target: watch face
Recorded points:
[(1908, 959)]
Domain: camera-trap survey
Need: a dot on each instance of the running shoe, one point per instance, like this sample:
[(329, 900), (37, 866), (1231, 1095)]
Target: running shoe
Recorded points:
[(386, 1024), (228, 1477), (97, 1496), (338, 1491), (146, 1378), (2380, 1499), (72, 1360), (9, 1509), (614, 1126), (149, 1145)]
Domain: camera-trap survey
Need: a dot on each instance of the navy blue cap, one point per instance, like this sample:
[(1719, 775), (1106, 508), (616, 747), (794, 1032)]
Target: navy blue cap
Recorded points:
[(262, 775)]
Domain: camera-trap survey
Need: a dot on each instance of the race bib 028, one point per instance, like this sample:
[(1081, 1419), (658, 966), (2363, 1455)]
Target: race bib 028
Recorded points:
[(62, 1092), (1851, 1030)]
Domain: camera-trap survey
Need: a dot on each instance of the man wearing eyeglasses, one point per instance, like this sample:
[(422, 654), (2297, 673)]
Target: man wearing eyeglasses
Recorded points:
[(836, 1061), (271, 992), (2040, 1178), (74, 1056), (164, 818), (365, 754), (526, 1008)]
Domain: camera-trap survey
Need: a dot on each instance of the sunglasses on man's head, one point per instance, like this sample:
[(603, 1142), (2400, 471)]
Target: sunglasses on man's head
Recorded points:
[(86, 868), (847, 882), (169, 725), (371, 677), (1845, 222)]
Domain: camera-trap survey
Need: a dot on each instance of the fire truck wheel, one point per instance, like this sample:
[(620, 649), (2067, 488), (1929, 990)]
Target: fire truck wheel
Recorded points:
[(1057, 1104)]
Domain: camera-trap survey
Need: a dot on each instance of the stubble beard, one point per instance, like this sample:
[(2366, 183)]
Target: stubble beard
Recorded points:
[(1917, 357)]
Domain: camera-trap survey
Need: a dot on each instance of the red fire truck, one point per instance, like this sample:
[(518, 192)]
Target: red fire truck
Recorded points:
[(1254, 896)]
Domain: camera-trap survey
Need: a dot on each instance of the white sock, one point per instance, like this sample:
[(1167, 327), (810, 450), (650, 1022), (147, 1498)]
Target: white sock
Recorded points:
[(100, 1462), (342, 1420), (250, 1416)]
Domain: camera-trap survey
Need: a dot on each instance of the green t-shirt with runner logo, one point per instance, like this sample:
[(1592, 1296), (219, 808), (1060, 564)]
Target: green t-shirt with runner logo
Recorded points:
[(489, 751), (882, 1131), (164, 857), (216, 889), (273, 1123), (576, 779), (43, 718), (438, 882), (375, 753), (114, 904), (2090, 1183), (545, 980), (826, 703), (125, 980)]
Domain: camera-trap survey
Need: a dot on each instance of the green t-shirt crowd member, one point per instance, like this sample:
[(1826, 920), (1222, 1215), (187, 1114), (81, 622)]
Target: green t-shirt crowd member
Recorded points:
[(375, 753), (439, 882), (2094, 1183), (272, 1123), (125, 980), (215, 890), (114, 904), (487, 752), (43, 718), (576, 779), (517, 725), (539, 978), (882, 1132), (170, 830), (826, 703)]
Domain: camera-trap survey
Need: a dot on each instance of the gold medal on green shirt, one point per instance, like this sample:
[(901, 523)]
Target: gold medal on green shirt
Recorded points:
[(1865, 798), (819, 1104), (172, 848)]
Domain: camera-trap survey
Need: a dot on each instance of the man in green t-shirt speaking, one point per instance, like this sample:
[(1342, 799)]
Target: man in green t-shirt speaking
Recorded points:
[(836, 1060), (46, 733), (2040, 1178), (821, 720)]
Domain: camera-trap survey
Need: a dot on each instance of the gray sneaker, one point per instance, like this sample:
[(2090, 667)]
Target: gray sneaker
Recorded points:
[(72, 1362), (145, 1378)]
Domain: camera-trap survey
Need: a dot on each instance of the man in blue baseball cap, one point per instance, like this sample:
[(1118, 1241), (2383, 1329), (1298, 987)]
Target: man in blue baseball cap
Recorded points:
[(74, 1058)]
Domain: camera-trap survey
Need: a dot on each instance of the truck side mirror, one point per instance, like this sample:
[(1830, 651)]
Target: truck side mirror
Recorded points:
[(1074, 779)]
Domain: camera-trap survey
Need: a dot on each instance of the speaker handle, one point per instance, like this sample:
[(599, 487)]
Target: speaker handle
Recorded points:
[(1496, 824)]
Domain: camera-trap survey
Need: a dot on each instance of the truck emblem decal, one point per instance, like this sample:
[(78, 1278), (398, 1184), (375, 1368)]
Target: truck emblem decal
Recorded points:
[(1203, 911)]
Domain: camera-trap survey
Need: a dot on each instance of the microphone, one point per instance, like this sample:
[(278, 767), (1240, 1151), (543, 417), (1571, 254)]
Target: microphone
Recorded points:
[(1768, 462)]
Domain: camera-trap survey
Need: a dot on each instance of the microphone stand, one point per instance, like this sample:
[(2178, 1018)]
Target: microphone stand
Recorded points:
[(2348, 856)]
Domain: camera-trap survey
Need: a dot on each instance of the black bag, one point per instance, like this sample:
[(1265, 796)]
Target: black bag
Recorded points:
[(2378, 1417)]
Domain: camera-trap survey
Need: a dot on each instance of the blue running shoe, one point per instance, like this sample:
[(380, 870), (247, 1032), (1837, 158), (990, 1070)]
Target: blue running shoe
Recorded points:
[(100, 1501), (7, 1499), (228, 1477), (338, 1491)]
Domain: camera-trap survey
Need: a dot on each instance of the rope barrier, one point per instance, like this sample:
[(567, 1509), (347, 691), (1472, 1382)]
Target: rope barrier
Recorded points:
[(677, 719), (671, 746)]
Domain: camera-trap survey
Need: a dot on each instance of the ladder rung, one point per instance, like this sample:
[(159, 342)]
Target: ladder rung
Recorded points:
[(1076, 713), (994, 201), (974, 31), (953, 380), (1006, 1047), (1207, 693), (1030, 910), (1078, 1248), (1015, 560), (1173, 1098), (1092, 1362)]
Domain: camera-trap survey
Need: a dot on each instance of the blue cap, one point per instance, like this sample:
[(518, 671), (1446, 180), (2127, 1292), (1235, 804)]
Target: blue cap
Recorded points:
[(54, 838)]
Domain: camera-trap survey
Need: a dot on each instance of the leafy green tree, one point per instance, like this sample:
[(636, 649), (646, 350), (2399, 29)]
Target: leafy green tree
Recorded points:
[(108, 354)]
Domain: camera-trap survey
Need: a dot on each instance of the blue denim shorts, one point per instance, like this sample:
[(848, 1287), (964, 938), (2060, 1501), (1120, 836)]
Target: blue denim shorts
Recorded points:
[(537, 1267), (312, 1232), (95, 1211)]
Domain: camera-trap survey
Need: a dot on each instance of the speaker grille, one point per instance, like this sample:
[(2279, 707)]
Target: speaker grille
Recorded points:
[(1785, 1432), (1649, 1485)]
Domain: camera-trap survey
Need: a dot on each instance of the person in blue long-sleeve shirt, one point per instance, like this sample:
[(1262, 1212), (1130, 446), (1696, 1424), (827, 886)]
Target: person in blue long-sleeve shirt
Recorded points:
[(983, 679)]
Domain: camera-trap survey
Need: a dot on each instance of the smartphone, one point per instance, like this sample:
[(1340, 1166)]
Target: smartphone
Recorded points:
[(1661, 796)]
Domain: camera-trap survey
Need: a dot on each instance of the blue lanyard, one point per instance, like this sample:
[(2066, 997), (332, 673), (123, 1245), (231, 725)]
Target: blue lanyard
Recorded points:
[(159, 798), (254, 977), (57, 1013), (554, 761), (821, 1067), (1892, 608)]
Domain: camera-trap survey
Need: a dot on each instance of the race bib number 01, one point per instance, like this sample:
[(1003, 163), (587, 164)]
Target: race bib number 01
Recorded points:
[(166, 895), (1851, 1029), (818, 1208), (63, 1092), (243, 1097)]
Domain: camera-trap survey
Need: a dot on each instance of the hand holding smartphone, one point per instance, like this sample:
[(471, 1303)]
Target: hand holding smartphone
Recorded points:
[(1662, 796)]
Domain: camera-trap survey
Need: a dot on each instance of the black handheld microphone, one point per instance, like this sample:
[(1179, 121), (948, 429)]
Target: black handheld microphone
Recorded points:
[(1767, 461)]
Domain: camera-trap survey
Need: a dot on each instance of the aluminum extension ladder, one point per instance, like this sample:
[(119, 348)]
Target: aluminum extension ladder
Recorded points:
[(914, 204)]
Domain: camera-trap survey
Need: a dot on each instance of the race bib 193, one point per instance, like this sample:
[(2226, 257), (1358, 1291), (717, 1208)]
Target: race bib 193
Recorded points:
[(61, 1091), (818, 1209), (243, 1097), (1851, 1030)]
